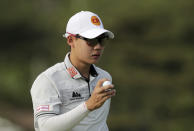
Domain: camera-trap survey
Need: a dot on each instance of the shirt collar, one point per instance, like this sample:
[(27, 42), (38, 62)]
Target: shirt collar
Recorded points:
[(73, 72)]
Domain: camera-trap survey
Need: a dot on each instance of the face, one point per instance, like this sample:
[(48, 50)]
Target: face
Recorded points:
[(84, 52)]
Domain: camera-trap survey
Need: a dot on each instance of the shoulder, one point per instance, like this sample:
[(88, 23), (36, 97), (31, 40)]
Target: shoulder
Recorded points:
[(51, 73), (103, 73), (44, 81), (57, 68)]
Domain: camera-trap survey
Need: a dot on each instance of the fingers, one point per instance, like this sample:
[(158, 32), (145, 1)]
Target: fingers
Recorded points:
[(107, 88), (100, 95), (101, 88), (103, 97), (107, 95), (99, 83)]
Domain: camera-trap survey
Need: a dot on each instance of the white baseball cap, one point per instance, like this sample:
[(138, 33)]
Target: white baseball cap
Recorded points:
[(86, 24)]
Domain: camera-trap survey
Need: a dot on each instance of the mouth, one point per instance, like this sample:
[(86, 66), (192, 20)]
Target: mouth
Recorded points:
[(96, 56)]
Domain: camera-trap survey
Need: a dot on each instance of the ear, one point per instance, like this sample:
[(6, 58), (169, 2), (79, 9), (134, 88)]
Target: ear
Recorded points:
[(70, 41)]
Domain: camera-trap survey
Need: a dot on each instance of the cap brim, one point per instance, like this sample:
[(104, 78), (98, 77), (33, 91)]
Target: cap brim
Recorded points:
[(93, 33)]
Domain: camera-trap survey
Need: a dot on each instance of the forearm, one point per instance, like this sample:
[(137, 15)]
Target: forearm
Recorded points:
[(64, 121)]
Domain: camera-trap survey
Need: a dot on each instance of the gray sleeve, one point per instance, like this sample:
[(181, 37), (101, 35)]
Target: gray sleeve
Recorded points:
[(45, 98)]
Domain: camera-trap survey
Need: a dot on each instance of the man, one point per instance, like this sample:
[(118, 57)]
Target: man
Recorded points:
[(70, 95)]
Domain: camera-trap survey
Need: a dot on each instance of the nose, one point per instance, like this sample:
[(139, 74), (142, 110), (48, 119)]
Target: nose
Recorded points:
[(98, 47)]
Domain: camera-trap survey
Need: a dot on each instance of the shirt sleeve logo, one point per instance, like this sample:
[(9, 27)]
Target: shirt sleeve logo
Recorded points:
[(42, 108)]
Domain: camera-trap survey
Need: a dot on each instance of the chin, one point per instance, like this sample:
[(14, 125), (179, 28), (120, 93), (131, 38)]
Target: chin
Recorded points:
[(94, 61)]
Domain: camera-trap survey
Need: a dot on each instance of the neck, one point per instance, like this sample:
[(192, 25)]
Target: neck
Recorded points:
[(82, 67)]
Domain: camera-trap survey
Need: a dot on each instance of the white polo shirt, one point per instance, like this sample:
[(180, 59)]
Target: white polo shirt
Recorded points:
[(59, 95)]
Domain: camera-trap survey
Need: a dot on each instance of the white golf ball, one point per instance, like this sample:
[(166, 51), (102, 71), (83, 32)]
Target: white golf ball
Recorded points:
[(106, 83)]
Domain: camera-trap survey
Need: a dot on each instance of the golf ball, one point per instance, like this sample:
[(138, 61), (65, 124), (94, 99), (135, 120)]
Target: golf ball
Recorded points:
[(106, 83)]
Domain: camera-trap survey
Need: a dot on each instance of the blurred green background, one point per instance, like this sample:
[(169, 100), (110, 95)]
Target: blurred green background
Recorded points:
[(151, 58)]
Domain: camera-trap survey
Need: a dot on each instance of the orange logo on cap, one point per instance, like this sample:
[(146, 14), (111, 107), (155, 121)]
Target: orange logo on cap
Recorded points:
[(95, 20)]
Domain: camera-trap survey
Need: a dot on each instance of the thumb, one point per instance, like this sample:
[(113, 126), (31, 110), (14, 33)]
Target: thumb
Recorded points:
[(99, 83)]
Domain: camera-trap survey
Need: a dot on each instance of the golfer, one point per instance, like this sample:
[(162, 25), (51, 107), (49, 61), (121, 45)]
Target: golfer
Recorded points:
[(69, 96)]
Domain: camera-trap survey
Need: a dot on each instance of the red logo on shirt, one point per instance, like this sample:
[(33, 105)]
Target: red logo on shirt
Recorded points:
[(42, 108), (72, 71)]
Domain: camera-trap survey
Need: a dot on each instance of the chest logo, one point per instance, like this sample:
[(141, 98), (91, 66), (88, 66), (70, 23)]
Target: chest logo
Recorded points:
[(76, 96)]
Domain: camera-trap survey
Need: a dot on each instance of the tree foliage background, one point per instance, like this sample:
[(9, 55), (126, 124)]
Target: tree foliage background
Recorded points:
[(151, 58)]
